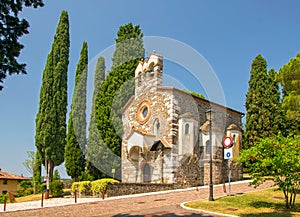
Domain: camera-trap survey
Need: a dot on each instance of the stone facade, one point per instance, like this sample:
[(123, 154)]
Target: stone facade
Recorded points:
[(166, 134)]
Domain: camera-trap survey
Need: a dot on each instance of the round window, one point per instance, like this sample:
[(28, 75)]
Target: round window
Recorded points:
[(143, 113)]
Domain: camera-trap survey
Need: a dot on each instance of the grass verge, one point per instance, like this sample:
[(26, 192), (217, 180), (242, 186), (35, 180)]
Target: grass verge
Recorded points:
[(262, 203), (32, 197)]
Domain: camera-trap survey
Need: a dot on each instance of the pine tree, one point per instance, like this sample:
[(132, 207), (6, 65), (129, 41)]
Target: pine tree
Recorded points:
[(50, 138), (129, 50), (289, 78), (76, 137), (94, 148)]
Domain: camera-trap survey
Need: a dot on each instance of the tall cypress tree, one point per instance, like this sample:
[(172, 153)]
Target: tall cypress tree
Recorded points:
[(255, 116), (50, 137), (76, 138), (129, 50), (94, 148), (289, 78), (273, 106)]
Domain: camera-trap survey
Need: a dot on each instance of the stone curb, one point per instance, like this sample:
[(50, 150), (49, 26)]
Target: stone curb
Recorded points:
[(204, 211)]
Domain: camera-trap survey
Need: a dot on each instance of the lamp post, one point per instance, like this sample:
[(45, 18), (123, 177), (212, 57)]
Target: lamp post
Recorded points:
[(209, 116)]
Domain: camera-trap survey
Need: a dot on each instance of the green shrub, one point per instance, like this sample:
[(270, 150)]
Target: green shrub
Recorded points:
[(99, 186), (25, 184), (85, 176), (2, 198), (81, 186), (56, 188), (24, 188), (40, 188)]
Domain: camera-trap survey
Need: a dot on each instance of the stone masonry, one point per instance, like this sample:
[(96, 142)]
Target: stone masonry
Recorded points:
[(166, 134)]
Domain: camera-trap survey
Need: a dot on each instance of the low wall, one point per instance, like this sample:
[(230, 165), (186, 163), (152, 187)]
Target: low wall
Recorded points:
[(118, 189)]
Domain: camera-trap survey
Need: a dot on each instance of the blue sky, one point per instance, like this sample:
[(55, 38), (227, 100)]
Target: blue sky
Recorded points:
[(229, 34)]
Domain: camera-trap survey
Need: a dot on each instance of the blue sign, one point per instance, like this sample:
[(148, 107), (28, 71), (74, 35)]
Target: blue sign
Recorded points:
[(228, 153)]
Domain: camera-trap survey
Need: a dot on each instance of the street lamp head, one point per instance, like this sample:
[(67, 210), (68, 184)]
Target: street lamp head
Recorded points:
[(210, 114)]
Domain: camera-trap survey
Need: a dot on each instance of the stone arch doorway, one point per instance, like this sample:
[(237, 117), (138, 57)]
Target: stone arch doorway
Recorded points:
[(147, 173)]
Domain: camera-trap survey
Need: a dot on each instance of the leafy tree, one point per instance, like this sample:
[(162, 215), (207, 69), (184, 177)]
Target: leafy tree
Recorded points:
[(289, 78), (76, 138), (11, 29), (29, 163), (94, 148), (129, 50), (276, 158), (37, 170), (50, 137), (56, 175), (262, 103)]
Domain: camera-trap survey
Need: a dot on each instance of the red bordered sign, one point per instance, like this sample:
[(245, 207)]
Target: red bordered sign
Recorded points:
[(227, 142)]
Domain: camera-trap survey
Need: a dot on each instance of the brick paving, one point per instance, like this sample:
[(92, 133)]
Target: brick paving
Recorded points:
[(162, 204)]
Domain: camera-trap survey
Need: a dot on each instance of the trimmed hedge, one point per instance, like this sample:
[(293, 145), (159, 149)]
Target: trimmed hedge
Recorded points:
[(99, 186), (96, 187)]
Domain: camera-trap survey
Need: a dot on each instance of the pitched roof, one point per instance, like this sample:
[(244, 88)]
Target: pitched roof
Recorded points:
[(9, 176)]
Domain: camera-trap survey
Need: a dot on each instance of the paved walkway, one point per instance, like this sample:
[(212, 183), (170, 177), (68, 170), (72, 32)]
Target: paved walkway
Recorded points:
[(166, 203)]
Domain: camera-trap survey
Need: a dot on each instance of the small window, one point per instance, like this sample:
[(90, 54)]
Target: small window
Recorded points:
[(187, 129), (145, 112), (4, 192), (156, 127), (4, 181), (207, 147)]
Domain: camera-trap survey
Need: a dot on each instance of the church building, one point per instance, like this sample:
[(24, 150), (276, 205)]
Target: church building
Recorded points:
[(167, 135)]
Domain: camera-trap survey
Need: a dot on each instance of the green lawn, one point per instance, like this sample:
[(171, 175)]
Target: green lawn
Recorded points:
[(263, 203)]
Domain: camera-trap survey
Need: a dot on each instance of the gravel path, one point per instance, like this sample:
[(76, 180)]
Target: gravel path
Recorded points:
[(47, 203)]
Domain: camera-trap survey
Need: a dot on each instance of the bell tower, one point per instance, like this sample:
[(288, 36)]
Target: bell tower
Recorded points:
[(148, 74)]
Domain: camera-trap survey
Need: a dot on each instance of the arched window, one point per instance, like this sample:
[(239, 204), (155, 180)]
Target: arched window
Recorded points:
[(187, 129), (147, 173), (156, 127), (207, 147)]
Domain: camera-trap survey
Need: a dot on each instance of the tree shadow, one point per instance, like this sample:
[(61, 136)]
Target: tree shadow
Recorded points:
[(166, 215), (264, 204), (280, 210), (268, 214)]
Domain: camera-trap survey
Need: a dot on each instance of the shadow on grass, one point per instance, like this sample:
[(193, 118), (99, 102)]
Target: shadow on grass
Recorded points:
[(280, 210), (264, 204), (268, 214)]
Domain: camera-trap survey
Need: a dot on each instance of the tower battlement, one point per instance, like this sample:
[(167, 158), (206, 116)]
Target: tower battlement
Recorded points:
[(148, 74)]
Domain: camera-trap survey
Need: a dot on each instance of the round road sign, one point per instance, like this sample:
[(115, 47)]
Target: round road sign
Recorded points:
[(227, 142)]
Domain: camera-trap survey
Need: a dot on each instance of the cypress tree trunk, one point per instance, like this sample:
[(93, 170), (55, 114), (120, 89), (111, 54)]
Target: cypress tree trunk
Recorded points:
[(50, 137)]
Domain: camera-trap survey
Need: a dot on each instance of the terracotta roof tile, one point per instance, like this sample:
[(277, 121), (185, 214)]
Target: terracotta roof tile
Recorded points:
[(9, 176)]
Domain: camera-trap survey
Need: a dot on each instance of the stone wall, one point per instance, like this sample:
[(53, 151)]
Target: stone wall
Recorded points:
[(118, 189)]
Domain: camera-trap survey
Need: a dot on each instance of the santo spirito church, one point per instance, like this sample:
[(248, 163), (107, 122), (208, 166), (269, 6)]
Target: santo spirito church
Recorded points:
[(167, 134)]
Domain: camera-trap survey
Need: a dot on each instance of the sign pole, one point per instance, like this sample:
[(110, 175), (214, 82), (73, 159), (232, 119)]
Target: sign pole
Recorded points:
[(228, 143), (229, 176)]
